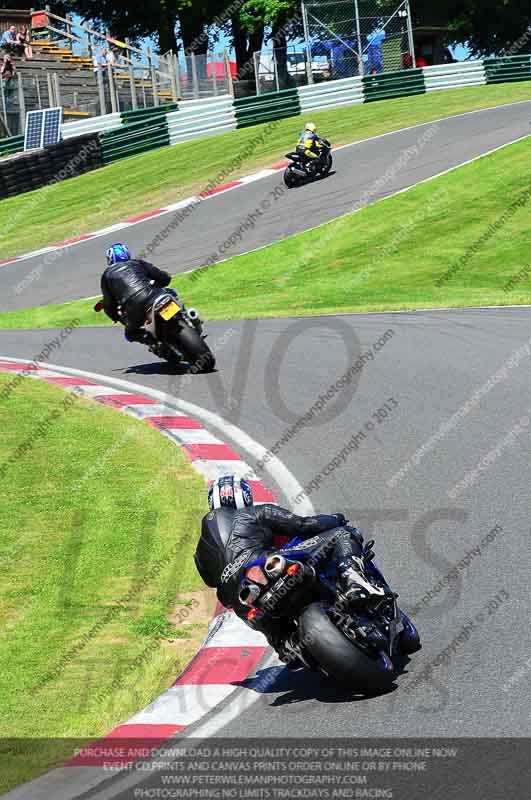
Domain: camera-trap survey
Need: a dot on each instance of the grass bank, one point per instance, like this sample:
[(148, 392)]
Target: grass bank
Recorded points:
[(98, 523), (141, 183)]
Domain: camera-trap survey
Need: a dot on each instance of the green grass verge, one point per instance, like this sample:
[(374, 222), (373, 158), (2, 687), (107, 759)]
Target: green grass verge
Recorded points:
[(388, 256), (97, 528), (143, 182)]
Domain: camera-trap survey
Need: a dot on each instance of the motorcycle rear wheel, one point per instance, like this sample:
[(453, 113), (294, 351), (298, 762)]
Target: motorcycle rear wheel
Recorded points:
[(291, 179), (339, 657), (194, 349)]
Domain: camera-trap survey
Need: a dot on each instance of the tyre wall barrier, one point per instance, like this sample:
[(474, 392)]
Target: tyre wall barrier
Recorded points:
[(38, 168)]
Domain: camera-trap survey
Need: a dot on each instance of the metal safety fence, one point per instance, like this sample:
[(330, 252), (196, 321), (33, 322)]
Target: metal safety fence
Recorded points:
[(349, 38)]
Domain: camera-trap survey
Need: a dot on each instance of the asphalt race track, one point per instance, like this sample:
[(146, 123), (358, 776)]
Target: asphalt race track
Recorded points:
[(431, 365), (74, 272), (407, 449)]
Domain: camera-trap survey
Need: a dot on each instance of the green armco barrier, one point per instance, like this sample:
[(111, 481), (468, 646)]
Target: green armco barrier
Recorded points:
[(133, 130), (386, 85), (142, 113), (506, 70), (14, 144), (267, 107), (134, 138), (269, 97), (133, 149), (143, 123)]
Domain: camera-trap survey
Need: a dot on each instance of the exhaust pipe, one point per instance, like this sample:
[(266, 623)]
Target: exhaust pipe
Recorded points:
[(248, 594), (299, 172), (193, 316), (275, 566)]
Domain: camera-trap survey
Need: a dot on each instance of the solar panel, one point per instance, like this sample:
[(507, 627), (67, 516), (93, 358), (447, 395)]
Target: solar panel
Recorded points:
[(52, 126), (34, 126), (43, 128)]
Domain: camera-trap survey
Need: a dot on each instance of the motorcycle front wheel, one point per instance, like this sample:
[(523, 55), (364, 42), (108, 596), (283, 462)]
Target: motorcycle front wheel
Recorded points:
[(327, 166), (339, 657)]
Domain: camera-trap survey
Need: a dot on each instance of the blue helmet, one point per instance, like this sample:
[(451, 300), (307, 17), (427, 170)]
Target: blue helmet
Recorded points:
[(117, 252), (229, 492)]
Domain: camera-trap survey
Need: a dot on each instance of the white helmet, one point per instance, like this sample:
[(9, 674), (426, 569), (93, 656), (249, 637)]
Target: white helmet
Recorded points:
[(310, 126)]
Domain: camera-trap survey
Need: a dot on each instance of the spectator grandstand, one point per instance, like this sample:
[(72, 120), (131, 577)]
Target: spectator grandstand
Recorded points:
[(59, 61)]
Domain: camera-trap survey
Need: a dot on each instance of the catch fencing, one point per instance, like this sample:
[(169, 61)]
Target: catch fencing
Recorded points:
[(347, 38)]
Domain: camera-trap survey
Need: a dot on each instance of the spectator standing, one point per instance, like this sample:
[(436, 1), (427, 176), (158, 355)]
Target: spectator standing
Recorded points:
[(374, 51), (100, 59), (7, 75), (117, 55), (111, 58)]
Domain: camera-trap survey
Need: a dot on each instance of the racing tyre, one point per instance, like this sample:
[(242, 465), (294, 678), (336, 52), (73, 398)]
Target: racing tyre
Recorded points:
[(339, 658), (327, 166), (195, 350), (408, 638), (290, 179)]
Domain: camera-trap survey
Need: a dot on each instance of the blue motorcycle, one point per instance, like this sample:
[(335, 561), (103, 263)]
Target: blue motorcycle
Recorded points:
[(354, 642)]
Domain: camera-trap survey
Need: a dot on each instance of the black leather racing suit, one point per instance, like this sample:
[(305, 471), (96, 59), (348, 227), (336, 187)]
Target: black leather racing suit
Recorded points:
[(128, 284), (230, 539)]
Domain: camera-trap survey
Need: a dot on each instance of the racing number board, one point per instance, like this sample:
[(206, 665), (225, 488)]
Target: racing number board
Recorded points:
[(43, 128)]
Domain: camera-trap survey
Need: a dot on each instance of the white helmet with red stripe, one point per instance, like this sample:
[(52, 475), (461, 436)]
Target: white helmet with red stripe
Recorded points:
[(229, 492)]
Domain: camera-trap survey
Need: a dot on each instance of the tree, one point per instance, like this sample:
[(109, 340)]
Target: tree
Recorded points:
[(493, 27), (159, 18), (247, 28), (488, 27), (280, 17), (194, 18), (129, 18)]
